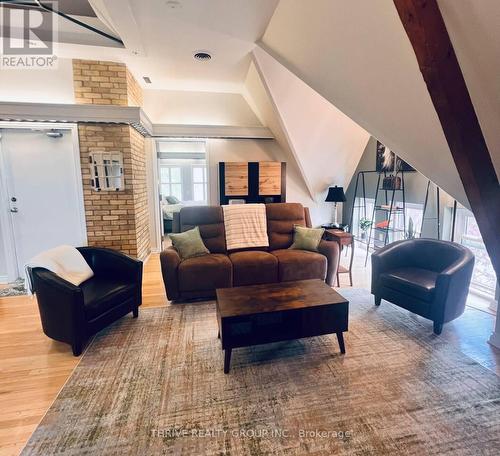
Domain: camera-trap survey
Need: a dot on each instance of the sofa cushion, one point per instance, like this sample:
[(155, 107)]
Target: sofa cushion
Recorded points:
[(307, 238), (253, 267), (211, 223), (416, 282), (300, 265), (206, 272), (189, 243), (281, 218), (102, 294)]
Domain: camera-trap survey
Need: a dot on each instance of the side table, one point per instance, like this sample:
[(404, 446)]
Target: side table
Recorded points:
[(344, 239)]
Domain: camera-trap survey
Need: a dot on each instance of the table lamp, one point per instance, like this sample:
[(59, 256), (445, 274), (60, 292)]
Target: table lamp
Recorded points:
[(335, 195)]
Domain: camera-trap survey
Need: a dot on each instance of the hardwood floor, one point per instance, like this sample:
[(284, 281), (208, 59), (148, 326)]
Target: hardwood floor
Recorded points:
[(33, 368)]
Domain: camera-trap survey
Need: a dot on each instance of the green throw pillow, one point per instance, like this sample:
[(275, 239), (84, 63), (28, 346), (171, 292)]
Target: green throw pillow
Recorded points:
[(189, 244), (306, 238)]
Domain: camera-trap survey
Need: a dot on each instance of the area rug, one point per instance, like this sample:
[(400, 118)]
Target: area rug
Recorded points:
[(156, 386), (13, 289)]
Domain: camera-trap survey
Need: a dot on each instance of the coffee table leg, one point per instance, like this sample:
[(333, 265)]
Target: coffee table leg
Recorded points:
[(227, 360), (340, 338)]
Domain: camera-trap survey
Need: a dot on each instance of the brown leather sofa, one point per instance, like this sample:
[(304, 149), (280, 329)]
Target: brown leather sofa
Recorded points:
[(199, 277)]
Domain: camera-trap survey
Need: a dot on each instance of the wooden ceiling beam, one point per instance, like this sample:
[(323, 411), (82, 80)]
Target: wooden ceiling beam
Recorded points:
[(441, 71)]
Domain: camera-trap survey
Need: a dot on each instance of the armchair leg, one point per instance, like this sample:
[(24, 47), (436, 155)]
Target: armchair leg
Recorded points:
[(378, 300), (135, 312), (77, 348), (438, 327)]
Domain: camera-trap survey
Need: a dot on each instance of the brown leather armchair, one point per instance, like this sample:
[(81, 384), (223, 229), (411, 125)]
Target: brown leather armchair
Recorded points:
[(425, 276), (73, 314)]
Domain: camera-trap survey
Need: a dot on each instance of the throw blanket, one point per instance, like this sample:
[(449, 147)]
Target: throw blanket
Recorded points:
[(65, 261), (245, 225)]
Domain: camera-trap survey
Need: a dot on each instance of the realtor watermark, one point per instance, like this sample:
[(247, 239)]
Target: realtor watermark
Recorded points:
[(28, 36), (249, 433)]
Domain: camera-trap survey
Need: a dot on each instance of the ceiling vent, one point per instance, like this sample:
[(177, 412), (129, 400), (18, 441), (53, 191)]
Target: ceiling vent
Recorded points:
[(147, 79), (202, 55)]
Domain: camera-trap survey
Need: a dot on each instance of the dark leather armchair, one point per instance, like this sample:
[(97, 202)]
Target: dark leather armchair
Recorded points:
[(73, 314), (425, 276)]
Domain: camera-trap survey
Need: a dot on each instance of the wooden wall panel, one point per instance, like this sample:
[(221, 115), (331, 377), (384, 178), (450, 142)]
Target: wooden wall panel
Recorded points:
[(236, 179), (269, 178)]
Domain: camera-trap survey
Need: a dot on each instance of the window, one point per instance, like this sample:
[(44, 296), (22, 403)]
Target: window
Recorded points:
[(183, 171), (171, 181), (414, 213), (200, 183), (467, 233), (106, 170)]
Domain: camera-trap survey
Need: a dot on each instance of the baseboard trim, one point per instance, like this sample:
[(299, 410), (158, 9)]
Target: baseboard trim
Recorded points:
[(494, 339), (4, 279)]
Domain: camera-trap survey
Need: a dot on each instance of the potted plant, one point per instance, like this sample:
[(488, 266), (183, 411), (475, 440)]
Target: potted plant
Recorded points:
[(364, 225)]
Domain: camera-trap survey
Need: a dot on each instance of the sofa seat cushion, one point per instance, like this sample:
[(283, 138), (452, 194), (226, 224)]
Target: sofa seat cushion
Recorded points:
[(417, 282), (101, 294), (300, 265), (206, 272), (253, 267)]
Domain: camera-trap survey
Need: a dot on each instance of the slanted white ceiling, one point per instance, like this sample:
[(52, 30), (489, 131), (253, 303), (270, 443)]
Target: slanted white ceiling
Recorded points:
[(327, 145), (166, 38), (357, 55), (474, 28), (198, 108)]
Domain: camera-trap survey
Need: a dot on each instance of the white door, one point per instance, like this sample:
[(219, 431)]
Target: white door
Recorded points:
[(44, 195)]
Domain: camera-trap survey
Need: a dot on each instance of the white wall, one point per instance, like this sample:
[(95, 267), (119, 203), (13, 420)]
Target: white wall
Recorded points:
[(297, 190), (220, 150), (38, 86), (360, 59), (327, 145), (475, 34), (198, 108)]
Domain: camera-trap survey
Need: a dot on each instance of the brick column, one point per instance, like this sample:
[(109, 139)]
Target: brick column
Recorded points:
[(116, 220)]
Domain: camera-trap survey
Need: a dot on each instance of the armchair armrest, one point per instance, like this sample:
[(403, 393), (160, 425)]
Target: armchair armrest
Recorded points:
[(170, 260), (331, 250), (111, 263), (452, 288), (61, 306)]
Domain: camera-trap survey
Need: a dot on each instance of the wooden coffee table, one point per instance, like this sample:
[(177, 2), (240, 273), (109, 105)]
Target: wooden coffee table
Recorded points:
[(261, 314)]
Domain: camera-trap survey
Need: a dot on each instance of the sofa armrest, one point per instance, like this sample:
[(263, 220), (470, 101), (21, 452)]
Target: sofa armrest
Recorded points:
[(61, 306), (331, 250), (170, 260), (452, 288)]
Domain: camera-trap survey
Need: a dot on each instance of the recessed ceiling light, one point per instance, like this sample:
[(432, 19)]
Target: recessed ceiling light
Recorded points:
[(173, 4), (147, 79), (202, 55)]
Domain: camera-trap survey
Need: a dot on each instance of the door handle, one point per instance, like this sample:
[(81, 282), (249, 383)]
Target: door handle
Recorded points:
[(14, 209)]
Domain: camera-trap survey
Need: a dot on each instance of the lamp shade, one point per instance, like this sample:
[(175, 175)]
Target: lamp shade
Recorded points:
[(335, 195)]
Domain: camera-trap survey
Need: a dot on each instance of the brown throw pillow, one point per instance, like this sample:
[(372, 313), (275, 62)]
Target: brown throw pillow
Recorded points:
[(189, 244), (306, 238)]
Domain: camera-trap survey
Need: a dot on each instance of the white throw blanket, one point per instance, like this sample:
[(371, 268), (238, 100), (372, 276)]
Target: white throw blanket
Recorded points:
[(245, 225), (65, 261)]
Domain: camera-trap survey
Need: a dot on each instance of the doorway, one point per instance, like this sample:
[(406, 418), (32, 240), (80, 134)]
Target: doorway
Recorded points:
[(182, 178), (41, 191)]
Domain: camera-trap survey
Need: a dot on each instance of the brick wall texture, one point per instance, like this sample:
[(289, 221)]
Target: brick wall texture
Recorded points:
[(134, 91), (99, 82), (117, 220)]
